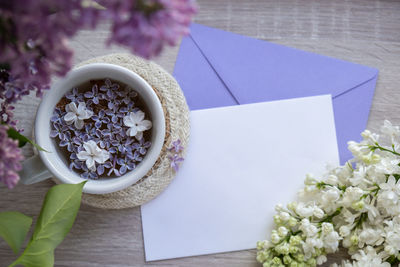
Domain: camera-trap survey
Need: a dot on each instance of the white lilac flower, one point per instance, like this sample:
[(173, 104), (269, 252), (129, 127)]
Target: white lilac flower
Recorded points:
[(308, 228), (388, 197), (331, 241), (93, 154), (137, 124), (304, 210), (76, 114), (356, 205), (371, 210), (284, 216), (392, 237), (369, 137), (388, 165), (351, 195), (330, 196), (321, 259), (318, 212), (282, 231), (358, 176), (310, 246), (344, 230), (369, 258), (358, 150), (390, 130), (371, 236), (332, 179)]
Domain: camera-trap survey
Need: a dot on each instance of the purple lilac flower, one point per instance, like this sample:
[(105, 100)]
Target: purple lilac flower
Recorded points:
[(102, 139), (11, 90), (94, 94), (88, 174), (130, 107), (67, 141), (141, 146), (58, 131), (10, 158), (127, 94), (109, 89), (135, 156), (126, 165), (33, 39), (113, 111), (176, 160), (121, 143), (176, 146), (75, 163), (100, 118), (146, 26), (175, 157), (58, 116), (113, 167)]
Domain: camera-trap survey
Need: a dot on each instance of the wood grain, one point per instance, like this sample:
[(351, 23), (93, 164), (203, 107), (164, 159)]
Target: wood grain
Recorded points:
[(362, 31)]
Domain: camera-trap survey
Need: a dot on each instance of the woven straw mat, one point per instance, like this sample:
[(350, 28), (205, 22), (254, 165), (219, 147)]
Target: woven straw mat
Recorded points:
[(177, 127)]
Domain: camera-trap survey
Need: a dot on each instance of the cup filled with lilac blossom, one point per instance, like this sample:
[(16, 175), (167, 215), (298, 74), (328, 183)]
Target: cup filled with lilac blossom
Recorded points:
[(102, 128), (103, 124)]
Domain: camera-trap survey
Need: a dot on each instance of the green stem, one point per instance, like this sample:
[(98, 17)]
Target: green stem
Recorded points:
[(377, 146)]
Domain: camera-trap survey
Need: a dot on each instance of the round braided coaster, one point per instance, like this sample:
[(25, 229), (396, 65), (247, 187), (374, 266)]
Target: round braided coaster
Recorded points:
[(177, 127)]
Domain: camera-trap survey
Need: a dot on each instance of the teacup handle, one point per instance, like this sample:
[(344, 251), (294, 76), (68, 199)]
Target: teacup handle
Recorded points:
[(33, 171)]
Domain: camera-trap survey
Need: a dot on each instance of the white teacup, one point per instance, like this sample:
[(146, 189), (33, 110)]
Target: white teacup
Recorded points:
[(52, 164)]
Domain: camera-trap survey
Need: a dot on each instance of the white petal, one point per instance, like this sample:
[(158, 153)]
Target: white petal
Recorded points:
[(138, 116), (87, 146), (72, 107), (144, 125), (70, 117), (83, 155), (79, 124), (132, 131), (91, 147), (392, 181), (139, 135), (97, 150), (102, 157), (82, 115), (81, 107), (89, 114), (90, 163), (128, 122)]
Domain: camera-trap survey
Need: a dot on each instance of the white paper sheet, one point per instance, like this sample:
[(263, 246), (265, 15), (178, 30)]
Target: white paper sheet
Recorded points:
[(241, 161)]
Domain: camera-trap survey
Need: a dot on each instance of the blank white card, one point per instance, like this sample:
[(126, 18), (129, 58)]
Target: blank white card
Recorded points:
[(241, 161)]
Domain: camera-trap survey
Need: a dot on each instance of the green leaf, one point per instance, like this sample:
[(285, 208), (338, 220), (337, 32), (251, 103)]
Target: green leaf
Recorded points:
[(56, 218), (22, 140), (14, 227)]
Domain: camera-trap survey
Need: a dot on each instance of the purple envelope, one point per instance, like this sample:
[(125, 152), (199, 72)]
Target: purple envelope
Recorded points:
[(217, 68)]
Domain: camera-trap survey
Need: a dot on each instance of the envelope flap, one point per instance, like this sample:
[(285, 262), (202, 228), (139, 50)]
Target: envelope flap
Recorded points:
[(255, 70)]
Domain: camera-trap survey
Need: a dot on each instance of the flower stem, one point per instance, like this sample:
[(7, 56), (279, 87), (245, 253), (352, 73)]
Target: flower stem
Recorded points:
[(377, 146)]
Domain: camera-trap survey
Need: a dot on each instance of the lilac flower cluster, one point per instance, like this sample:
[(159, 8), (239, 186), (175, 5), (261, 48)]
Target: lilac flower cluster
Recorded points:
[(32, 41), (175, 154), (102, 110), (10, 157), (156, 23), (33, 36)]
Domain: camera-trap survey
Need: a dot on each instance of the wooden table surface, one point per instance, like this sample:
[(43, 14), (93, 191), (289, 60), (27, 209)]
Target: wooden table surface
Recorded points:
[(362, 31)]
